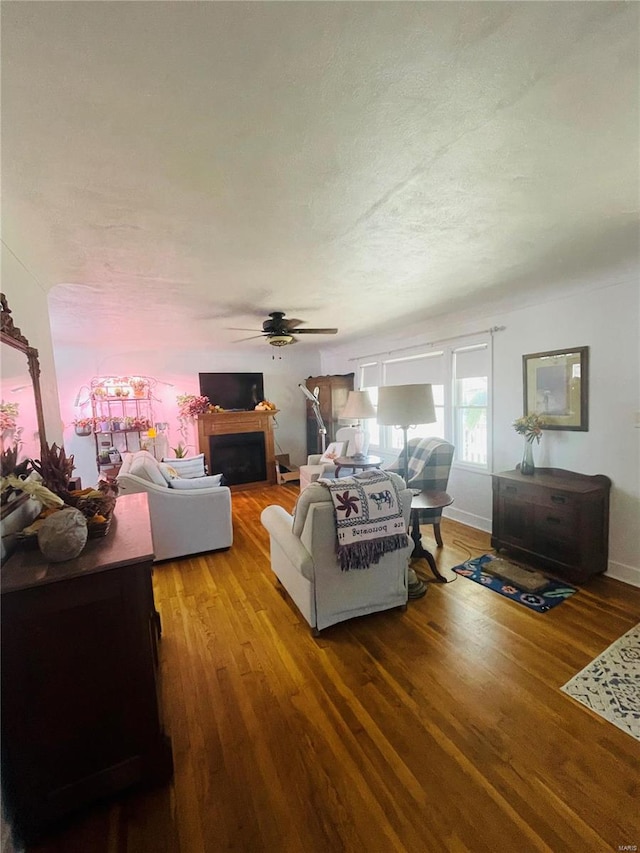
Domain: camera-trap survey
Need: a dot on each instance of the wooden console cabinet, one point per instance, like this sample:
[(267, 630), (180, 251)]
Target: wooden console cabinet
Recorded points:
[(80, 708), (559, 518)]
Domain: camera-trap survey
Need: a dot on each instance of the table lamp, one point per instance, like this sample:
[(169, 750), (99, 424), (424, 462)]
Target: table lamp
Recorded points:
[(358, 406), (404, 406)]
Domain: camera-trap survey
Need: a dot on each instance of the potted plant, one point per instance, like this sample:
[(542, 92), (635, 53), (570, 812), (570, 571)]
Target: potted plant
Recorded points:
[(139, 386), (180, 451)]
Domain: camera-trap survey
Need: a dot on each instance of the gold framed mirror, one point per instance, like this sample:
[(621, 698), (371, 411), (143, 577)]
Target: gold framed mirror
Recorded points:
[(21, 413)]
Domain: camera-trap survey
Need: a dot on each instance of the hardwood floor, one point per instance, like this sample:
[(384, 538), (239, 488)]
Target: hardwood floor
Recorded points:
[(442, 728)]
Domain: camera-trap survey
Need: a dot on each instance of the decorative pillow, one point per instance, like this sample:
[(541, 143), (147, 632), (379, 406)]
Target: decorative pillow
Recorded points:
[(167, 471), (332, 452), (192, 466), (148, 469), (196, 483)]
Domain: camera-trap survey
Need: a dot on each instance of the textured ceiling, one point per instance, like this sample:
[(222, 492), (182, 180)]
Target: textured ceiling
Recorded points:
[(353, 164)]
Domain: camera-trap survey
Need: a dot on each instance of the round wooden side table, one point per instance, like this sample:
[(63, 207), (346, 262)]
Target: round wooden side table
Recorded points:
[(353, 463)]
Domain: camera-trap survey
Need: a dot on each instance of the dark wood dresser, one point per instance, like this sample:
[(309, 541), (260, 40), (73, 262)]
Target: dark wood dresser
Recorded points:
[(559, 518), (80, 708)]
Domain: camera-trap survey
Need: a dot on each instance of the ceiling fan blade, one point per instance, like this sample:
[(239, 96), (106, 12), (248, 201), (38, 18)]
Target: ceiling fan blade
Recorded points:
[(251, 338), (242, 329), (316, 331), (291, 324)]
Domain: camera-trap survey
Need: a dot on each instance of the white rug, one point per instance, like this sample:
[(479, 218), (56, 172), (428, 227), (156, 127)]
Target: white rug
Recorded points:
[(610, 685)]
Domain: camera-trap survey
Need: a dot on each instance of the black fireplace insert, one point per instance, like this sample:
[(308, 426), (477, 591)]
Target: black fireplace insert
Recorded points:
[(241, 457)]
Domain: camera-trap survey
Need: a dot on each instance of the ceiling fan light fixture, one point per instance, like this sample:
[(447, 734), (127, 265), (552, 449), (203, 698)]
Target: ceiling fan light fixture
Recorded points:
[(280, 340)]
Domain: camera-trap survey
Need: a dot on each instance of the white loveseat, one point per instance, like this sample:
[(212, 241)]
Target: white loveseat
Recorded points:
[(190, 519), (303, 558)]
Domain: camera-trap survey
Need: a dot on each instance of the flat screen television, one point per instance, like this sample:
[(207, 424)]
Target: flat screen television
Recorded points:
[(233, 391)]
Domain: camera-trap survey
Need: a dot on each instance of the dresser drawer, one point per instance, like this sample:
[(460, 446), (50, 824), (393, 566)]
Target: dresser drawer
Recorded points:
[(539, 496), (556, 522)]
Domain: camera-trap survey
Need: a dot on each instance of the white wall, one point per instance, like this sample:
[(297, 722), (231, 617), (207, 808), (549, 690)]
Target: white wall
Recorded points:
[(607, 320), (177, 373), (28, 303)]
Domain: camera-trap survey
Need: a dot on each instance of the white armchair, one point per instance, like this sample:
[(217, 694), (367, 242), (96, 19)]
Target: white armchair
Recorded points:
[(304, 559), (188, 520), (315, 468)]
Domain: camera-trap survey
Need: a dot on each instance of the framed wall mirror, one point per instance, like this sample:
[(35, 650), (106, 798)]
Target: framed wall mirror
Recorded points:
[(556, 385), (21, 414)]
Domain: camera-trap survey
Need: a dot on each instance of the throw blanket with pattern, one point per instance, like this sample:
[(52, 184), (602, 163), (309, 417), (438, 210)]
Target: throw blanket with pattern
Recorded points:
[(369, 519)]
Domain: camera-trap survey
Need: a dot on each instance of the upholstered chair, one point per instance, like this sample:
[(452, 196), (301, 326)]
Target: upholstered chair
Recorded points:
[(429, 467), (304, 559), (317, 467)]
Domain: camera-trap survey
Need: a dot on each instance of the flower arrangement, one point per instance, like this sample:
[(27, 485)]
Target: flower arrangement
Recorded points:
[(192, 405), (83, 422), (84, 426), (530, 426), (189, 407), (8, 414), (10, 432)]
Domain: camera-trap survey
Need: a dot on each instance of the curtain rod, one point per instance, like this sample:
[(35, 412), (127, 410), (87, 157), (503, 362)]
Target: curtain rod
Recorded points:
[(431, 343)]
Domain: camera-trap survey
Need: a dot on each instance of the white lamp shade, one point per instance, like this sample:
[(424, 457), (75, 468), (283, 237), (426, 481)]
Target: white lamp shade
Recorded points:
[(406, 405), (358, 406)]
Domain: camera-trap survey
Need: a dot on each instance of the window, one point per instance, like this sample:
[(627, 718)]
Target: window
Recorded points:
[(416, 369), (371, 425), (459, 377), (470, 404), (369, 381)]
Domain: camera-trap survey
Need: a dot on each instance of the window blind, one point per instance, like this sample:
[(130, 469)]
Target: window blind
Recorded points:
[(471, 361), (370, 375), (415, 370)]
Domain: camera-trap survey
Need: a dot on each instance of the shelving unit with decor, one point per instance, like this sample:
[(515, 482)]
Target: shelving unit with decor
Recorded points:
[(122, 413)]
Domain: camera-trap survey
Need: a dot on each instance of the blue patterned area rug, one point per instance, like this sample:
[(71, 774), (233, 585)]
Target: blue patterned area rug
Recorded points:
[(554, 593), (610, 685)]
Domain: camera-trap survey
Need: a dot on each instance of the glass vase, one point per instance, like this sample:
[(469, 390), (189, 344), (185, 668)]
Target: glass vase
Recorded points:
[(527, 466)]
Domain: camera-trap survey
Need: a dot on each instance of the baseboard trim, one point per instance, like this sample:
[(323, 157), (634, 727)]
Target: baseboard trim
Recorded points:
[(468, 518), (617, 571), (621, 572)]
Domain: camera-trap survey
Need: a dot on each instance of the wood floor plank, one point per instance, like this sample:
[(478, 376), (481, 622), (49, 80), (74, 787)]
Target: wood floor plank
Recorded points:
[(441, 728)]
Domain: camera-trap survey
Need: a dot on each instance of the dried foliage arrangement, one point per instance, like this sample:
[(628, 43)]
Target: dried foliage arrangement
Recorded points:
[(55, 468)]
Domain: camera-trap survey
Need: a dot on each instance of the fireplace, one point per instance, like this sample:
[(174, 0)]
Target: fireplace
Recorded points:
[(239, 445), (240, 457)]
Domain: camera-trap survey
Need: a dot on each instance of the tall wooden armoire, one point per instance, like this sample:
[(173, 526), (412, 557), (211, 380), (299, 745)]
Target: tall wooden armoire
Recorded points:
[(333, 393)]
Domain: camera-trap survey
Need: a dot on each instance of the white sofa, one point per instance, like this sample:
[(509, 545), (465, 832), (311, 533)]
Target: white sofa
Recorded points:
[(316, 468), (303, 558), (186, 520)]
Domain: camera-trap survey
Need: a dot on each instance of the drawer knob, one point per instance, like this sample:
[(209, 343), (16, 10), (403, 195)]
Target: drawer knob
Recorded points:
[(558, 499)]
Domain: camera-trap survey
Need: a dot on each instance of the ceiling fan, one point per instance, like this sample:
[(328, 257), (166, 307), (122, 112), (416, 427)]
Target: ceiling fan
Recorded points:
[(280, 332)]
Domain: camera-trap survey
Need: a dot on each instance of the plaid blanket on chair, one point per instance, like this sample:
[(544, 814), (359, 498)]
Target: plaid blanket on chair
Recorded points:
[(429, 464), (369, 519)]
